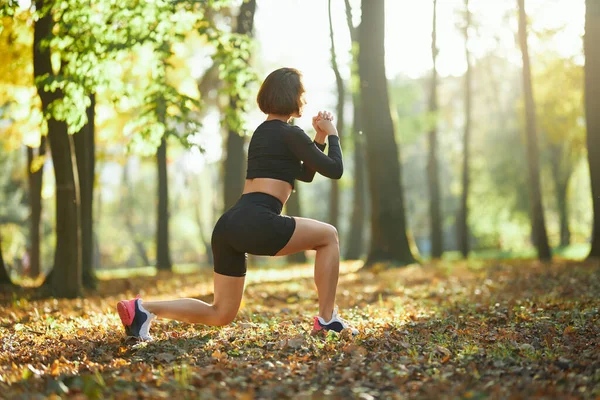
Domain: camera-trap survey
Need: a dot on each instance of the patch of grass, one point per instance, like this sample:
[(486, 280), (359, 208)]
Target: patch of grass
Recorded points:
[(501, 351), (577, 251)]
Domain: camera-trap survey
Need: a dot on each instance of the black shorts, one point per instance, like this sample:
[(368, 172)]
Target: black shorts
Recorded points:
[(253, 225)]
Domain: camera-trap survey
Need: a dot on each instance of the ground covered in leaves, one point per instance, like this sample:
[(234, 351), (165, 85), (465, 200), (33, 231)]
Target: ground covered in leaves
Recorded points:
[(493, 330)]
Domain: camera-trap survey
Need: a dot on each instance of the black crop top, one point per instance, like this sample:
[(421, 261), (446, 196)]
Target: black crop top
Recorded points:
[(281, 151)]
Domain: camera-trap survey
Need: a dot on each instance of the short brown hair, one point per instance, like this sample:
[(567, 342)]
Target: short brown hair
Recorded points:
[(281, 92)]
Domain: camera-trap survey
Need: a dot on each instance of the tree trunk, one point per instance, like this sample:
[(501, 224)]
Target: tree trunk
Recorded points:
[(233, 180), (561, 172), (389, 241), (334, 198), (462, 225), (67, 271), (128, 213), (355, 241), (163, 254), (592, 105), (293, 208), (432, 162), (354, 244), (334, 202), (4, 277), (235, 160), (35, 174), (65, 279), (86, 162), (537, 211), (97, 213)]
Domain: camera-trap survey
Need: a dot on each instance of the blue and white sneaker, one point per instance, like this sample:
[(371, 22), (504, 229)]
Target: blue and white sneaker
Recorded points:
[(135, 318), (336, 324)]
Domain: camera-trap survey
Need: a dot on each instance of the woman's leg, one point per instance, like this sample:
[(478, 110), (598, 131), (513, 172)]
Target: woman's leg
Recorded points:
[(226, 303), (315, 235)]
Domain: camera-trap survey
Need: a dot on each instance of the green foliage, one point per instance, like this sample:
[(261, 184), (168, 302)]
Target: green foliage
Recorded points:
[(90, 40), (558, 86), (233, 57), (498, 202), (19, 103), (412, 120)]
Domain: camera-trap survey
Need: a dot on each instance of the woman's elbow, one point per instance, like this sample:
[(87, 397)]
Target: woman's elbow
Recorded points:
[(338, 174)]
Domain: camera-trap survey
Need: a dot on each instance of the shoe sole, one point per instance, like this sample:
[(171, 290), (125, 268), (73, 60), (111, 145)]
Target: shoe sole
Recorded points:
[(126, 312)]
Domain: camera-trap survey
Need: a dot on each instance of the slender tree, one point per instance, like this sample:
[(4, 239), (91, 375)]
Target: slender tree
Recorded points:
[(355, 237), (163, 249), (234, 167), (163, 253), (462, 225), (35, 173), (4, 277), (86, 163), (562, 169), (432, 162), (389, 241), (334, 198), (537, 212), (65, 279)]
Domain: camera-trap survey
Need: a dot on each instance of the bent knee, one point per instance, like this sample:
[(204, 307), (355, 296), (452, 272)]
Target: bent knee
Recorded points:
[(224, 317), (329, 236), (332, 234)]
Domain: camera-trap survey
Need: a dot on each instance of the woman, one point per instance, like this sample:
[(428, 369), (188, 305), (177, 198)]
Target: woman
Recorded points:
[(278, 154)]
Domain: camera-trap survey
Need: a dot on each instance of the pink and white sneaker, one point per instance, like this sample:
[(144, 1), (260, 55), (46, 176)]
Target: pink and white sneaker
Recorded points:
[(336, 324), (135, 318)]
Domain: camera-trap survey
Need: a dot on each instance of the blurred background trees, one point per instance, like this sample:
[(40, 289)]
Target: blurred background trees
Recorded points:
[(123, 129)]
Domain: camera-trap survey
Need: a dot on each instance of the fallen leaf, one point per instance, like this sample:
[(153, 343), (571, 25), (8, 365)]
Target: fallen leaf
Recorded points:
[(569, 330), (443, 351), (55, 368), (219, 355)]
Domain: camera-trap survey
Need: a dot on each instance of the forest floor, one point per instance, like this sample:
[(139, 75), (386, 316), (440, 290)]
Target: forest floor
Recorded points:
[(477, 330)]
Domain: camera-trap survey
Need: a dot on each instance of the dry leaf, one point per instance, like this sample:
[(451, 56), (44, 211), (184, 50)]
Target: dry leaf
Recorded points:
[(54, 369)]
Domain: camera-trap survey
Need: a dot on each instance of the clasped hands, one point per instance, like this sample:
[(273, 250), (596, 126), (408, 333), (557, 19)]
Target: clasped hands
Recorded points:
[(322, 123)]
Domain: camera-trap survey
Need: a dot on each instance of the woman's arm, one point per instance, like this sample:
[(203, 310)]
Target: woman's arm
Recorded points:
[(306, 173), (313, 159)]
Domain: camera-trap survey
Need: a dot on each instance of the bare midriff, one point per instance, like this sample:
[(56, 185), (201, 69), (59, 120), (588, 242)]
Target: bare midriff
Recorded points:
[(274, 187)]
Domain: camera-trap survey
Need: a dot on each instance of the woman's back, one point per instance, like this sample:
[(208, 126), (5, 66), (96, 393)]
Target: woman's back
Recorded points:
[(270, 155)]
